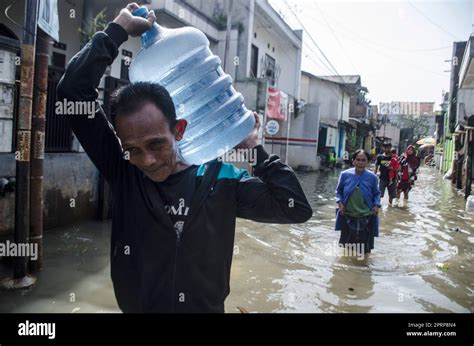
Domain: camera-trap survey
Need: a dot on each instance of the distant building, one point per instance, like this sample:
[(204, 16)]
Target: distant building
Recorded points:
[(331, 98), (398, 114)]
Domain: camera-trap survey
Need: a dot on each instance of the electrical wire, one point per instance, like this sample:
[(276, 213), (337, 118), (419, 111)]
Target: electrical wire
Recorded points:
[(389, 56), (335, 36), (431, 21), (311, 38), (341, 27)]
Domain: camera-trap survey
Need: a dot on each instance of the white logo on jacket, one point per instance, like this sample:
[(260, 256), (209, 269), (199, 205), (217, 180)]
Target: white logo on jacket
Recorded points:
[(181, 209)]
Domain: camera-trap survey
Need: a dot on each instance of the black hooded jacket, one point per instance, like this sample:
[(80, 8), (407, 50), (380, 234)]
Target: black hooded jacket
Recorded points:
[(154, 270)]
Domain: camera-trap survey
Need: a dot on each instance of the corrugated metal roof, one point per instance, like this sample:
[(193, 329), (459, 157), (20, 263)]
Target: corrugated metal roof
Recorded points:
[(353, 79)]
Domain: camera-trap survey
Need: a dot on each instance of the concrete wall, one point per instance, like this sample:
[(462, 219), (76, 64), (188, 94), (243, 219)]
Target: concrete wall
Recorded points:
[(243, 12), (249, 90), (70, 190), (329, 97), (69, 176), (69, 26), (391, 132), (333, 102), (284, 53), (345, 106), (465, 104), (305, 126), (233, 59), (211, 8)]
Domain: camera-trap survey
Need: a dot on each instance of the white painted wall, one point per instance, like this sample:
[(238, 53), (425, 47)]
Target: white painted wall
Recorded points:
[(133, 44), (465, 104), (304, 87), (391, 132), (285, 55), (328, 96), (345, 106), (187, 15), (70, 20), (231, 65), (305, 126)]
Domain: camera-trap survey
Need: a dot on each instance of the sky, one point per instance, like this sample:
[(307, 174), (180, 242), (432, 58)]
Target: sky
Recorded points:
[(398, 48)]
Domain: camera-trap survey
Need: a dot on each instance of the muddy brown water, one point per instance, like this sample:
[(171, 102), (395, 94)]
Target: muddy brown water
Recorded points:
[(422, 261)]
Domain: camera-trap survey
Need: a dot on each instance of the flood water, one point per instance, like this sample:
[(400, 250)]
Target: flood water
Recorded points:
[(422, 261)]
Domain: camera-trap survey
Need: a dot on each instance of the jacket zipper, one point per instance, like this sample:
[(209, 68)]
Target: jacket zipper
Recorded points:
[(178, 243)]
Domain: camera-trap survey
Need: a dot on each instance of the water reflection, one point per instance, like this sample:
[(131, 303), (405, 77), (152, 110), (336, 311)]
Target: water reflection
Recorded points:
[(352, 283)]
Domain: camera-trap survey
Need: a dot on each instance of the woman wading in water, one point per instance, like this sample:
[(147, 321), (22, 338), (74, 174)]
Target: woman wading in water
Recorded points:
[(409, 163), (358, 200)]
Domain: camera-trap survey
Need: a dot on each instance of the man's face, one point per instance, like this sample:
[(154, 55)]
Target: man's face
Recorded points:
[(146, 136), (386, 151)]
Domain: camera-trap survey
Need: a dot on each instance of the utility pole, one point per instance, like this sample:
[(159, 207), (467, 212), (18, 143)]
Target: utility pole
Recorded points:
[(22, 200), (227, 34), (37, 145)]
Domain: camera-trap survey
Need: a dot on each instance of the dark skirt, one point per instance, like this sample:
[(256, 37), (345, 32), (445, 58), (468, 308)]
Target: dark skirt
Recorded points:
[(357, 234), (404, 185)]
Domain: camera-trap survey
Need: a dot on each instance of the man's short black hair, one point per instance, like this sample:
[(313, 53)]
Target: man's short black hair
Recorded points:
[(360, 151), (132, 97), (385, 145)]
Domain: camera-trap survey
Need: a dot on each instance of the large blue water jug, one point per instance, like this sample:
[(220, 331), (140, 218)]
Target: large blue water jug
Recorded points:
[(181, 61)]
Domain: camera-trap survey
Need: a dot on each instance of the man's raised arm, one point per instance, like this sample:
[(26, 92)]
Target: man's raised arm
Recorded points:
[(78, 88), (274, 195)]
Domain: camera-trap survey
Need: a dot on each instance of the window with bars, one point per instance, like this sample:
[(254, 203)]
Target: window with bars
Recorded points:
[(58, 136)]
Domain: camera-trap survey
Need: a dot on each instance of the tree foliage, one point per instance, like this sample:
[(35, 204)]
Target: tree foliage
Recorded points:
[(98, 23), (418, 124)]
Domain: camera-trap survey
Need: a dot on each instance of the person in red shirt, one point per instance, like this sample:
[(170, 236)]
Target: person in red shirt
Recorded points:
[(393, 167)]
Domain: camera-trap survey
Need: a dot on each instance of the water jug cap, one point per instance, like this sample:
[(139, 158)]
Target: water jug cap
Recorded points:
[(142, 11), (150, 36)]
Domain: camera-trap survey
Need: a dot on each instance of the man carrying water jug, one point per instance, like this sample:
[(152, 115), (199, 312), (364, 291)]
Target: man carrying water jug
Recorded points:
[(173, 223)]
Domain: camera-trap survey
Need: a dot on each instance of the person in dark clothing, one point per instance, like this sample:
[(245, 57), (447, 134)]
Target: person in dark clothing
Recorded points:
[(409, 163), (383, 163), (173, 224)]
